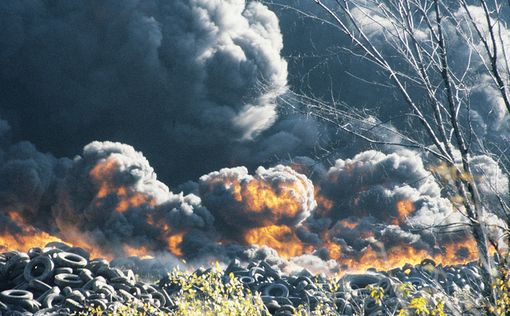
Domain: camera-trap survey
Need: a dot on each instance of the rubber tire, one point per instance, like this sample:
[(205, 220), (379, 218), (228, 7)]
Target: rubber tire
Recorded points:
[(247, 280), (68, 279), (47, 273), (271, 288), (71, 260), (15, 296), (360, 281)]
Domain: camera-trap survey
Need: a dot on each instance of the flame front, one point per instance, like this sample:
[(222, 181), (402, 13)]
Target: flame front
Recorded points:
[(266, 212), (281, 238), (31, 237), (452, 254)]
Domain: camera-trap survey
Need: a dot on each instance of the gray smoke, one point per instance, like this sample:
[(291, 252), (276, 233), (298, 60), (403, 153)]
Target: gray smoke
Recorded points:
[(28, 179), (322, 65), (388, 200), (112, 194)]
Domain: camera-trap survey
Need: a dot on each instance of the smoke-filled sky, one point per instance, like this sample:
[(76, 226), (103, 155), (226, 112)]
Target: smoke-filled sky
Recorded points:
[(157, 124)]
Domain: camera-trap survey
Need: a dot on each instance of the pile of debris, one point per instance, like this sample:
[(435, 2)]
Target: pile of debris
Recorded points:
[(59, 280)]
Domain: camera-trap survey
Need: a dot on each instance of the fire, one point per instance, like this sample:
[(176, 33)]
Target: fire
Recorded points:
[(172, 239), (279, 237), (405, 208), (135, 200), (31, 237), (334, 249), (140, 251), (459, 252), (349, 223), (26, 241), (174, 244), (259, 196), (270, 203), (102, 174), (452, 254)]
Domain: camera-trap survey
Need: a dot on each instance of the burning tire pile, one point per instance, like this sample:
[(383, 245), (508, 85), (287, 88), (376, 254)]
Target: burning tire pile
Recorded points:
[(60, 280)]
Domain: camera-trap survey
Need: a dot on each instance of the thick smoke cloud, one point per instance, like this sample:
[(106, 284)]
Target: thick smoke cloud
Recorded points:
[(372, 183), (112, 193), (173, 78), (381, 200), (108, 198)]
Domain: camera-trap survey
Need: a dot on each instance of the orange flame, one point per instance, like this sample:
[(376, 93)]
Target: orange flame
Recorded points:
[(281, 238), (31, 237), (24, 243), (259, 196), (174, 244), (334, 249), (349, 223), (141, 251), (405, 208), (102, 173), (458, 253), (255, 196), (324, 204)]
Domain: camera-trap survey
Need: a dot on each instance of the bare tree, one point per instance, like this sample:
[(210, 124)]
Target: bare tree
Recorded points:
[(412, 42)]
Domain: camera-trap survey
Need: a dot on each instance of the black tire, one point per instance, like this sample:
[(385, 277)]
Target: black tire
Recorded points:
[(287, 308), (426, 261), (32, 306), (15, 296), (80, 251), (40, 268), (98, 303), (58, 245), (304, 283), (247, 280), (276, 290), (34, 252), (63, 270), (14, 263), (387, 285), (360, 281), (71, 260), (86, 275), (418, 283), (68, 279), (159, 297), (270, 271)]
